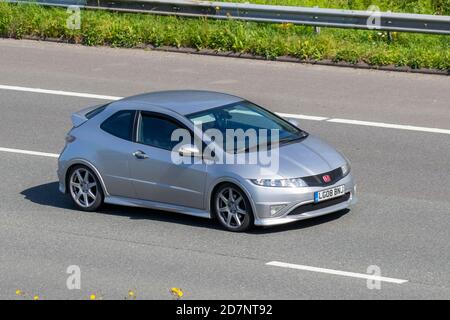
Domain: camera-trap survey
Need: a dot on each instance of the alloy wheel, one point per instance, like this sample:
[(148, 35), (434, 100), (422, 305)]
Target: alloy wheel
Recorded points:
[(231, 207), (83, 188)]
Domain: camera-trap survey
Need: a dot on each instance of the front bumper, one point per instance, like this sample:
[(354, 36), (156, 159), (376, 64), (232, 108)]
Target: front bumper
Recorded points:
[(297, 200)]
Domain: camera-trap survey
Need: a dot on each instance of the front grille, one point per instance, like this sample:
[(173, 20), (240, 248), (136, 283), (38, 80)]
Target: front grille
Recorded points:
[(317, 180), (321, 205)]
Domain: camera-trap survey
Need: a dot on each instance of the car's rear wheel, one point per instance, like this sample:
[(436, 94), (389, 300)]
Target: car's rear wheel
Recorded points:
[(232, 208), (85, 189)]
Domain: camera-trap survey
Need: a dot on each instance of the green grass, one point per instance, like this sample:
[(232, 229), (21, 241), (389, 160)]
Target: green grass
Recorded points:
[(267, 40)]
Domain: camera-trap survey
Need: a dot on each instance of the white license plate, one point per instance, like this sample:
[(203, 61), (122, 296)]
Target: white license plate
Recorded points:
[(329, 194)]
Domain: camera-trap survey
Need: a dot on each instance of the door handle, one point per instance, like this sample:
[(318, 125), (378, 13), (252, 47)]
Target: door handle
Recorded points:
[(140, 154)]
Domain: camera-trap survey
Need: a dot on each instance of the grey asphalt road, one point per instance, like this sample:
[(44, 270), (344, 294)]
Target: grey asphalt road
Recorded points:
[(401, 223)]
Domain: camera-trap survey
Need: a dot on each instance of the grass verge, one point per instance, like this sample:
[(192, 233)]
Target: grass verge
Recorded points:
[(267, 40)]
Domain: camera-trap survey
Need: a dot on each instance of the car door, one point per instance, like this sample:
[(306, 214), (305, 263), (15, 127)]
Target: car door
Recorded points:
[(155, 176), (114, 152)]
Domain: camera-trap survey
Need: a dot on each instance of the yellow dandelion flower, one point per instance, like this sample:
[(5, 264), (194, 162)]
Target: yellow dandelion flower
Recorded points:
[(93, 297), (177, 292), (19, 292), (36, 297), (131, 294), (285, 25)]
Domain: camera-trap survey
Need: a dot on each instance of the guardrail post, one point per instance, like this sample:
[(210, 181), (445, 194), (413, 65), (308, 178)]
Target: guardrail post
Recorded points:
[(316, 28), (389, 36)]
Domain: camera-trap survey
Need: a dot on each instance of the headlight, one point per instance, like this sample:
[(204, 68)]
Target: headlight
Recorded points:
[(345, 169), (287, 183)]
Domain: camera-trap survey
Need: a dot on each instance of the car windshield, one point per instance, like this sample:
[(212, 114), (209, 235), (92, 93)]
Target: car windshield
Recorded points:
[(246, 115)]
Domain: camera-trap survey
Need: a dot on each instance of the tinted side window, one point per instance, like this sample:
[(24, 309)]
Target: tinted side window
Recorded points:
[(157, 131), (120, 124)]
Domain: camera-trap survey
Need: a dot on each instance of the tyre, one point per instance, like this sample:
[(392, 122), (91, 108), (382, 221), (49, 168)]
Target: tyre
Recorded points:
[(232, 208), (85, 188)]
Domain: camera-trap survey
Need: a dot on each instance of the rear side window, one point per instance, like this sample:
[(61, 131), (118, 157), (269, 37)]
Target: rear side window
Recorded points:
[(120, 124)]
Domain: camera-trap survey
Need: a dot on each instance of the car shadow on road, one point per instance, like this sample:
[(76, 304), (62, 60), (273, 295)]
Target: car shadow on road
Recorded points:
[(48, 195)]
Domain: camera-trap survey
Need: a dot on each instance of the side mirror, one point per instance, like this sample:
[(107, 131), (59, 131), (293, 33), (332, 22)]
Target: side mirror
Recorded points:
[(294, 122), (189, 150)]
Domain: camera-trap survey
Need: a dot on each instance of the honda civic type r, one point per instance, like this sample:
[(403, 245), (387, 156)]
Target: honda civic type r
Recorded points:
[(123, 153)]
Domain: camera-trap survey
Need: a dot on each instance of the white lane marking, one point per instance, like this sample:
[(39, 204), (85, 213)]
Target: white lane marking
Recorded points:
[(301, 116), (390, 125), (60, 93), (34, 153), (286, 115), (335, 272)]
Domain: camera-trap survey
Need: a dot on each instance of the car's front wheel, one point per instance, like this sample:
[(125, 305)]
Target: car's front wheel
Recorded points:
[(85, 189), (232, 208)]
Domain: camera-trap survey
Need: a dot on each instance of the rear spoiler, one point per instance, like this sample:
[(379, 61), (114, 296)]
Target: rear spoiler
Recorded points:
[(80, 117)]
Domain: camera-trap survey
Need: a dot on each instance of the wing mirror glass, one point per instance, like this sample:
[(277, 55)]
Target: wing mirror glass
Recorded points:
[(189, 150)]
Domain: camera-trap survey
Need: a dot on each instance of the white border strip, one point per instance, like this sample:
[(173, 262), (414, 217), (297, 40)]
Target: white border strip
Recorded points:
[(335, 272), (34, 153)]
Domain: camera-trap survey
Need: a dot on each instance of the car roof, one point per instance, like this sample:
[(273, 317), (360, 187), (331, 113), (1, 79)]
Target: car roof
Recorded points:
[(184, 101)]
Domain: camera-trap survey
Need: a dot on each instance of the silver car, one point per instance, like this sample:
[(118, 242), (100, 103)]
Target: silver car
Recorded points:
[(125, 153)]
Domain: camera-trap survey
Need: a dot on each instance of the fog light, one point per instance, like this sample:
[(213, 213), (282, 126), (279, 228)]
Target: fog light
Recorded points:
[(275, 209)]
